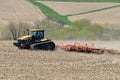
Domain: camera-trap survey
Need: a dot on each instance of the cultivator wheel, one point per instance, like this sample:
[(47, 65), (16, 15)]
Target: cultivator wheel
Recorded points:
[(98, 51)]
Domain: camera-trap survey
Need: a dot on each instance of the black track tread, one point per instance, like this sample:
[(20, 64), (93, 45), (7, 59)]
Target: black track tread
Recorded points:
[(44, 45)]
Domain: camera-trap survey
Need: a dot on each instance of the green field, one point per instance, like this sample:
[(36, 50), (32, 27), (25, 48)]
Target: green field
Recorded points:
[(50, 13), (84, 0)]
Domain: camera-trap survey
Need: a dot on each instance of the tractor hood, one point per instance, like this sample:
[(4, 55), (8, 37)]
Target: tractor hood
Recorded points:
[(45, 39), (25, 37)]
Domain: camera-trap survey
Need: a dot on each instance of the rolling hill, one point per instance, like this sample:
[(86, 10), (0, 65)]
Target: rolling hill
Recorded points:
[(58, 11), (111, 16), (70, 8), (62, 12), (96, 12), (19, 10)]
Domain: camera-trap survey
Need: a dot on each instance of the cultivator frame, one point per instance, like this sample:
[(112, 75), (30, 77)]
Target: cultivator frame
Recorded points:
[(86, 48)]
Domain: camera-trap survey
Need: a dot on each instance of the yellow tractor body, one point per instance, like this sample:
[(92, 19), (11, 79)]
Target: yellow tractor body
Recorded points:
[(35, 41)]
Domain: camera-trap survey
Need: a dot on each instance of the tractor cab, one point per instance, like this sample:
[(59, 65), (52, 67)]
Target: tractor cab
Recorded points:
[(37, 34)]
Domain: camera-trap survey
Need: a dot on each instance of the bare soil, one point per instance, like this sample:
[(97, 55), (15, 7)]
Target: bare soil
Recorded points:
[(111, 16), (67, 8), (19, 10), (18, 64)]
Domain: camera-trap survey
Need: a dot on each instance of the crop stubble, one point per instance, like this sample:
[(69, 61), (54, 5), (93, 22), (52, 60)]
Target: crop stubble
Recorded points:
[(18, 64)]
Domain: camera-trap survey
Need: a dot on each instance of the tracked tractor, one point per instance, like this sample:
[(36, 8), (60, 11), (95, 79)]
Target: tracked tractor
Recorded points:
[(35, 41)]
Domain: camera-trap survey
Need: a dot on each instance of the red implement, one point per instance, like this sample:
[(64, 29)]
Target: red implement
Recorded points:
[(85, 48)]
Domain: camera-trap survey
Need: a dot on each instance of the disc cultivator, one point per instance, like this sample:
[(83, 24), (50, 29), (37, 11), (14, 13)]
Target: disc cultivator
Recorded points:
[(86, 48)]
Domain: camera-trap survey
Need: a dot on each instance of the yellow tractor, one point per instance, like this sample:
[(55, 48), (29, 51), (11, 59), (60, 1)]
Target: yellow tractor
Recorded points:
[(35, 41)]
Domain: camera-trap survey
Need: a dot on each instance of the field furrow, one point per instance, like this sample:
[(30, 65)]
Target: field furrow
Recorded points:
[(69, 8), (111, 16)]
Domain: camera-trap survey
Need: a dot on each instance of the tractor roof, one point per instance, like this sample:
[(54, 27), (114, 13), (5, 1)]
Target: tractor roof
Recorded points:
[(37, 30)]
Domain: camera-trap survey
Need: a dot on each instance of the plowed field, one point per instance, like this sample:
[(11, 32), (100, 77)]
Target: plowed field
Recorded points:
[(18, 64)]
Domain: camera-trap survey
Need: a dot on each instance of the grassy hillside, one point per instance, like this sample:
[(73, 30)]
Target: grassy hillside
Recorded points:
[(96, 12), (53, 15), (85, 0), (50, 13), (80, 30)]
